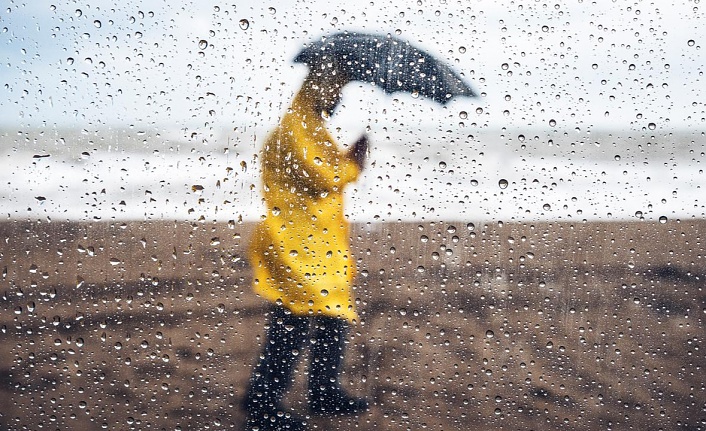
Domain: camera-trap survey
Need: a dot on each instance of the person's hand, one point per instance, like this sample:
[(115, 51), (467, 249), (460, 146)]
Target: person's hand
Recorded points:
[(359, 152)]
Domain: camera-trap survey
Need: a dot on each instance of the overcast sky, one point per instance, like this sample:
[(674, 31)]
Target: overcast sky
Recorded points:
[(186, 65), (220, 75)]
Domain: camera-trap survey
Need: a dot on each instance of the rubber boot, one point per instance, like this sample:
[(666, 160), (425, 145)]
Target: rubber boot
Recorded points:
[(273, 374), (325, 394)]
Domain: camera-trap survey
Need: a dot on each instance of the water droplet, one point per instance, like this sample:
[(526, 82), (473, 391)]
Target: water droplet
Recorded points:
[(691, 42), (442, 165), (479, 111), (244, 24), (203, 44), (552, 122), (70, 60), (663, 219), (503, 183), (545, 28), (489, 334), (276, 211), (324, 292), (78, 12), (463, 115), (272, 10), (462, 49), (652, 126), (114, 261)]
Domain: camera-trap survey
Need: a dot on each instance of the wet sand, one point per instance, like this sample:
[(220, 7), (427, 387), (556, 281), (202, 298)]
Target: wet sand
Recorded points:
[(152, 325)]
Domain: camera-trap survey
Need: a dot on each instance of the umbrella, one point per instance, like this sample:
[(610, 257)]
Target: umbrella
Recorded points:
[(387, 62)]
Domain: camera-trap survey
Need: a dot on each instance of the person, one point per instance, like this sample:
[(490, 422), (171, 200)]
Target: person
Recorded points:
[(301, 259)]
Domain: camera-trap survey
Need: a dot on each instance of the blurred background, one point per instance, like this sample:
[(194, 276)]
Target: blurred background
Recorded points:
[(529, 259), (154, 110)]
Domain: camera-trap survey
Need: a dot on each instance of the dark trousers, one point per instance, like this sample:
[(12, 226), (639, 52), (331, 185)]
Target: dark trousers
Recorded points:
[(286, 337)]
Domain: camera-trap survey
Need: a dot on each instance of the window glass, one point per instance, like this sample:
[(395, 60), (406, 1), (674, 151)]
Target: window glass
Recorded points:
[(528, 258)]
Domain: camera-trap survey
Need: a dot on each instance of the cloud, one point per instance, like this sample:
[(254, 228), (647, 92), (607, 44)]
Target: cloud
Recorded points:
[(224, 66)]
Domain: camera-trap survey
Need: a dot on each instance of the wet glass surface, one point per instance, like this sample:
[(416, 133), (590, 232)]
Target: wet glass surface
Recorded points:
[(530, 258)]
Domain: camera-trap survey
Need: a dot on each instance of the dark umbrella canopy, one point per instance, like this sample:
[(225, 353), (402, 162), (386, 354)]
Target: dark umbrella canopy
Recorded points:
[(388, 62)]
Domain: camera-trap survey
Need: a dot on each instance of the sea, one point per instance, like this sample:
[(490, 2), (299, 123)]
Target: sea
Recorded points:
[(462, 173)]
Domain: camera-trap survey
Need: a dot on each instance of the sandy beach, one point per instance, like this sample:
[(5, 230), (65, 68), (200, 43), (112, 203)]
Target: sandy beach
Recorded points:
[(152, 325)]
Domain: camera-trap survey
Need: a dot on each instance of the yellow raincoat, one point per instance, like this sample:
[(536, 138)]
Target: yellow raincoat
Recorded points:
[(300, 251)]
